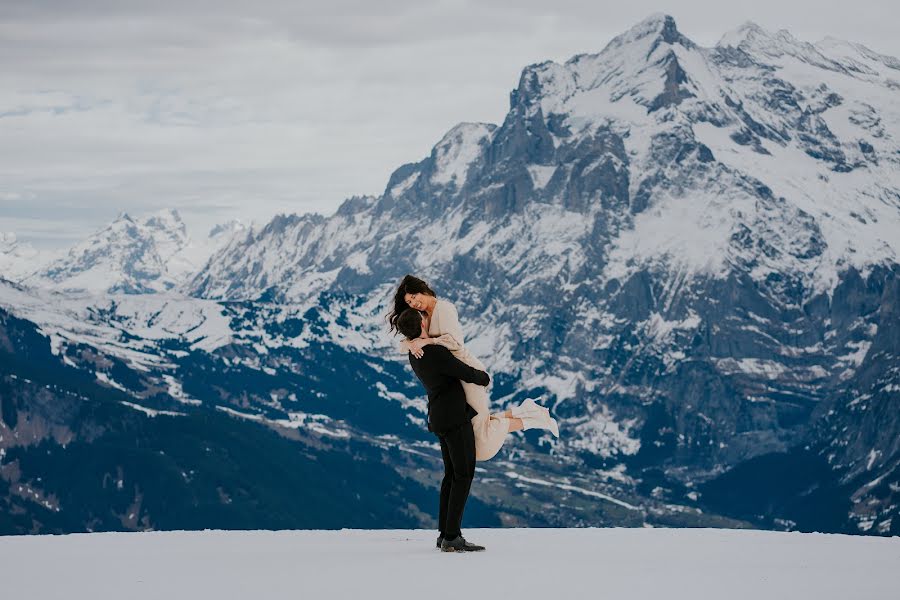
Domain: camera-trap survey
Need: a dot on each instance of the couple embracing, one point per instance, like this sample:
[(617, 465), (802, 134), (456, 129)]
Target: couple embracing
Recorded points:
[(458, 405)]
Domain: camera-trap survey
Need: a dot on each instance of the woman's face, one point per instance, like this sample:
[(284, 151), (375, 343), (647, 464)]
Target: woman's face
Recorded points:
[(417, 301)]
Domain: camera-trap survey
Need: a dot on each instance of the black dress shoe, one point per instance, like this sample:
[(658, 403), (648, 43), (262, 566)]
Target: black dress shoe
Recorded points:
[(459, 544), (440, 539)]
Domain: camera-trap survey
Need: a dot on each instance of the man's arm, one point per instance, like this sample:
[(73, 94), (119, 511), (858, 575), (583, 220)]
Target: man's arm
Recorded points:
[(452, 366), (446, 340)]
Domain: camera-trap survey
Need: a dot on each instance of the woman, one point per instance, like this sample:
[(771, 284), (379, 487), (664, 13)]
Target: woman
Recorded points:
[(443, 327)]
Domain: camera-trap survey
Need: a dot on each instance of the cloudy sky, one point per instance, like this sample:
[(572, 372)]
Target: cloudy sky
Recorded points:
[(223, 111)]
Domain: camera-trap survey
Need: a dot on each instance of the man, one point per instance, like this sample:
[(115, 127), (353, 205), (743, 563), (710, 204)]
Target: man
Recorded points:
[(450, 419)]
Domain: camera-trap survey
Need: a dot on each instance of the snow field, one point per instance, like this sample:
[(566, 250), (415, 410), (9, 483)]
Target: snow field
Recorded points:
[(397, 564)]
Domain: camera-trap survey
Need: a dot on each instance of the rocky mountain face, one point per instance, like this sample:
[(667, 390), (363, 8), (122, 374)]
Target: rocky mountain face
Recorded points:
[(861, 434), (689, 253)]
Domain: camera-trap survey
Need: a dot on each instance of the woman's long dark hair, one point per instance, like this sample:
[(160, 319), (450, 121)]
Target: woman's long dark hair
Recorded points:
[(409, 285)]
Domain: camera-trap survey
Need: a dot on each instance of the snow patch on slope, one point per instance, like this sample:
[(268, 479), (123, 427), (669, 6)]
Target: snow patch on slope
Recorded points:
[(458, 149)]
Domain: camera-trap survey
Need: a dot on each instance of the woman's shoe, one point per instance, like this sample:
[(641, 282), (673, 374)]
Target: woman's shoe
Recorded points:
[(540, 420), (553, 425), (528, 407)]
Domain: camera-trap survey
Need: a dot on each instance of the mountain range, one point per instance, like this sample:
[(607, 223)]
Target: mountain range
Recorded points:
[(146, 254), (689, 253)]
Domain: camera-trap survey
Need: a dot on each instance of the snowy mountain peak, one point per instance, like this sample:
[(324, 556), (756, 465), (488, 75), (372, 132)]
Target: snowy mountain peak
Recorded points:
[(750, 35), (457, 150), (463, 130), (740, 34), (356, 204), (833, 46), (166, 220), (18, 259), (649, 67), (149, 253), (648, 48), (128, 255), (767, 47), (857, 58), (656, 28)]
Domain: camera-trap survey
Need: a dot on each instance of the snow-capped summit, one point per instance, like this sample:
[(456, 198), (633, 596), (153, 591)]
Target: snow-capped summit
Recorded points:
[(766, 47), (829, 53), (18, 259), (858, 58), (457, 150), (643, 68), (150, 253), (128, 255), (193, 255), (749, 34), (658, 27)]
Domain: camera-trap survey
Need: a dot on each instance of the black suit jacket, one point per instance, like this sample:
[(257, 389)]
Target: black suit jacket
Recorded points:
[(440, 372)]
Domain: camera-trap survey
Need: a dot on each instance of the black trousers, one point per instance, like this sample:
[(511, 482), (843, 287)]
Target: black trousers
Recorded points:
[(458, 451)]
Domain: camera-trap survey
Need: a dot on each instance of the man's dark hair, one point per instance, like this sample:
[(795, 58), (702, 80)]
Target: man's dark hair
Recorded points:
[(409, 323)]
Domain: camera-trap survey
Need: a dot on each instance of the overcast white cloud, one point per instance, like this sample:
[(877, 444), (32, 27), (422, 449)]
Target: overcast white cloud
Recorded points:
[(226, 112)]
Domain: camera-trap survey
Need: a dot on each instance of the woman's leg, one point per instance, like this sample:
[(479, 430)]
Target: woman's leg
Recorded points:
[(476, 396), (515, 424), (490, 431)]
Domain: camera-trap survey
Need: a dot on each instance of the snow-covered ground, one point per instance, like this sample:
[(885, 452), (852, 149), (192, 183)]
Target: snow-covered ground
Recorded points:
[(398, 564)]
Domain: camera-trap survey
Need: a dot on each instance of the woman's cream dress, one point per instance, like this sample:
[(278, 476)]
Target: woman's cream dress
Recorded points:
[(489, 433)]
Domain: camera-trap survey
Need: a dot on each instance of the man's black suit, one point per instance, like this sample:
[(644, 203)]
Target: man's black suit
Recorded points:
[(449, 417)]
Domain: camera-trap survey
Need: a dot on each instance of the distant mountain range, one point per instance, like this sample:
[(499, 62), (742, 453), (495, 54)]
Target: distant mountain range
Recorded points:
[(151, 253), (690, 253)]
